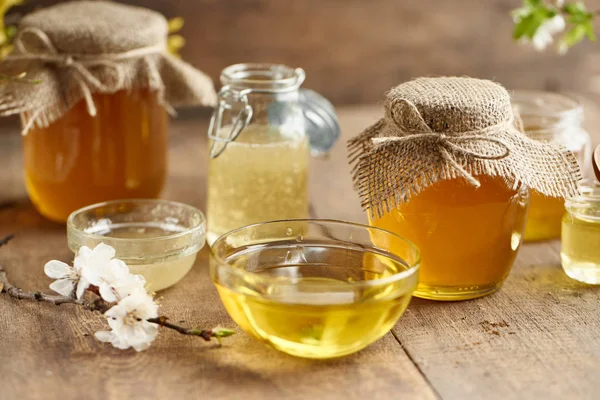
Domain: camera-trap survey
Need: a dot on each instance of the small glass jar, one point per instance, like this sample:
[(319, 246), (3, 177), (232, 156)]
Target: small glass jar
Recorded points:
[(78, 160), (468, 236), (260, 141), (314, 288), (157, 239), (580, 246), (555, 118)]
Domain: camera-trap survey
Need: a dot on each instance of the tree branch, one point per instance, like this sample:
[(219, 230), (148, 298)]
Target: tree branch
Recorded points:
[(204, 334)]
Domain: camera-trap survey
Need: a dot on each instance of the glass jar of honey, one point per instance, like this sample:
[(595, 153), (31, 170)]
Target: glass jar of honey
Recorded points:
[(468, 236), (95, 122), (580, 249), (448, 169), (81, 159), (554, 118), (261, 135)]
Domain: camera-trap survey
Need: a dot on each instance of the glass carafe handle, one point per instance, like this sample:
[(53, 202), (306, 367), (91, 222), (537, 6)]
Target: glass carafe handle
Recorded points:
[(226, 96)]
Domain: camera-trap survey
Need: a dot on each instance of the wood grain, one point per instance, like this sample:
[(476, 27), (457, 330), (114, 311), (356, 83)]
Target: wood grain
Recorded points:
[(355, 50), (536, 338)]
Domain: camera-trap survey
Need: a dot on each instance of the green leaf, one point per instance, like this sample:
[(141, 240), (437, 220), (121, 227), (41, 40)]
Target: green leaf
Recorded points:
[(589, 31), (532, 3), (574, 35), (222, 332), (574, 8)]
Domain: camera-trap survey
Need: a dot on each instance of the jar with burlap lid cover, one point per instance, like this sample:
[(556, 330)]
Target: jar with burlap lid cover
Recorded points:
[(449, 168), (95, 124)]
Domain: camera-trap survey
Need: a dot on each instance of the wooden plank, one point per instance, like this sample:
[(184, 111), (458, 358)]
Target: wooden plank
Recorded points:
[(50, 352), (535, 338)]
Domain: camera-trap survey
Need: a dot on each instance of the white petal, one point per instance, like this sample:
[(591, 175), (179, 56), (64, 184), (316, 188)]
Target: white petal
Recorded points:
[(63, 286), (117, 311), (82, 285), (104, 336), (141, 346), (116, 324), (84, 252), (118, 266), (103, 251), (107, 292), (129, 285), (57, 269)]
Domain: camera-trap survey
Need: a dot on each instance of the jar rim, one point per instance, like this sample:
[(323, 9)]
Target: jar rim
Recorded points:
[(552, 111), (589, 195), (263, 77), (190, 239)]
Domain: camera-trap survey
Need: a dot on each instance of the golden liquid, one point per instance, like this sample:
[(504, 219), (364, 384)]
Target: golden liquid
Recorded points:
[(261, 176), (545, 213), (580, 252), (544, 219), (80, 160), (468, 237), (159, 274), (321, 314)]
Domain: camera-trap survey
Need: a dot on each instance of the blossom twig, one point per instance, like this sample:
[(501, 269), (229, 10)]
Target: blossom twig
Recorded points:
[(6, 239), (99, 305), (18, 293), (203, 333)]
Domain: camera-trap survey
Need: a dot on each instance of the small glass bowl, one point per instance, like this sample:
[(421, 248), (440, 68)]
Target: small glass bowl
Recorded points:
[(314, 288), (158, 239)]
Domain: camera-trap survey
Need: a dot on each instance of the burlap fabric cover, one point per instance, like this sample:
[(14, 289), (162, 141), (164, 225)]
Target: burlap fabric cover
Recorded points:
[(445, 128), (79, 48)]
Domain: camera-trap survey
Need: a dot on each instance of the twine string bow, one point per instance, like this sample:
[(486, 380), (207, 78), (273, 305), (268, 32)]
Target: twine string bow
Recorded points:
[(80, 64), (449, 145)]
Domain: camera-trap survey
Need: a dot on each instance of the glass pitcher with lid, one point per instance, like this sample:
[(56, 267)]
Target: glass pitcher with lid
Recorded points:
[(261, 135)]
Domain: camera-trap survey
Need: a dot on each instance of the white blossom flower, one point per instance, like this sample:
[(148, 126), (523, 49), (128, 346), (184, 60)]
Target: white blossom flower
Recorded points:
[(544, 36), (111, 275), (128, 320), (68, 278)]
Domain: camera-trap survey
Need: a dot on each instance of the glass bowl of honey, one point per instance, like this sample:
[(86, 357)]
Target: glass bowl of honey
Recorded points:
[(314, 288), (158, 239)]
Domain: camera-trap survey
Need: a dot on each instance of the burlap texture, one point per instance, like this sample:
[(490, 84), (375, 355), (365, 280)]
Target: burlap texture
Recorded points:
[(450, 127), (77, 49)]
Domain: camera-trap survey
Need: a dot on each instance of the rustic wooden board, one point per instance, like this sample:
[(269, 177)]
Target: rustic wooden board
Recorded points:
[(536, 338)]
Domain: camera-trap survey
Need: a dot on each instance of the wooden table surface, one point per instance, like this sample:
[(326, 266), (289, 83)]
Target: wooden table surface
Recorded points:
[(538, 337)]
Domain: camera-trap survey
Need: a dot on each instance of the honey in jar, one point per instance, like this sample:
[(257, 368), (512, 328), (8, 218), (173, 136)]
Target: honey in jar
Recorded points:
[(449, 169), (80, 160), (468, 237), (554, 118), (580, 245), (95, 123)]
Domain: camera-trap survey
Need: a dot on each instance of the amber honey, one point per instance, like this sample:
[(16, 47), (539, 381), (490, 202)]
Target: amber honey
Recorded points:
[(80, 160), (468, 237)]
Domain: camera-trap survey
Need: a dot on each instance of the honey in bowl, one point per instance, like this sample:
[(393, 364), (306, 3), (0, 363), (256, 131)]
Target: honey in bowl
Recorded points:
[(312, 288)]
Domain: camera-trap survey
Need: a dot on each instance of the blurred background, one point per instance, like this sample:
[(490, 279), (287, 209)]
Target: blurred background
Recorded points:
[(355, 50)]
